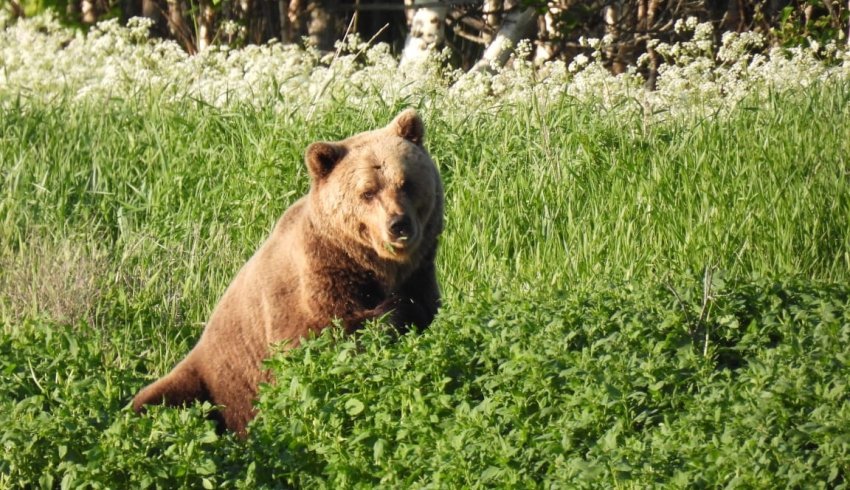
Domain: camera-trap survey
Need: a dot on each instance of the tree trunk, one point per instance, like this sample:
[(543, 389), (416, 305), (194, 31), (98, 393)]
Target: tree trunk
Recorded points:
[(17, 11), (546, 33), (320, 24), (297, 19), (654, 61), (283, 12), (427, 32), (153, 9), (178, 26), (88, 12), (518, 23), (206, 24), (492, 17), (612, 30), (732, 20)]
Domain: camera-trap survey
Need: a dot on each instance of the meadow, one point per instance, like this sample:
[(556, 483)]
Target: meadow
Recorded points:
[(639, 288)]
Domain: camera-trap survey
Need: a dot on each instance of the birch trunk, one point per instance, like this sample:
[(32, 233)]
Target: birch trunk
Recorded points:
[(654, 60), (320, 24), (205, 24), (297, 18), (547, 30), (612, 30), (516, 25), (427, 33), (492, 16), (88, 12)]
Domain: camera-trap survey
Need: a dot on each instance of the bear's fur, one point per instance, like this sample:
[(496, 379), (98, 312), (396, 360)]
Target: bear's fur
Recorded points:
[(360, 244)]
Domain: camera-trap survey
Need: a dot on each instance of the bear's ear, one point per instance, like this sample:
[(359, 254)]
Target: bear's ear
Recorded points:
[(321, 158), (409, 126)]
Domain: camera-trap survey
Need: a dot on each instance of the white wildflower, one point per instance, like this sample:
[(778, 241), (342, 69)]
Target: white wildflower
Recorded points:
[(111, 60), (229, 27), (579, 62)]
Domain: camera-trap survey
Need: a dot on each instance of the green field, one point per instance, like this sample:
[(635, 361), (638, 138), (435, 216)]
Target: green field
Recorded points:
[(626, 303)]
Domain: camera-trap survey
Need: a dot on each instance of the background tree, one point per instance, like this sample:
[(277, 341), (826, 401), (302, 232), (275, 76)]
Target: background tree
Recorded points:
[(478, 32)]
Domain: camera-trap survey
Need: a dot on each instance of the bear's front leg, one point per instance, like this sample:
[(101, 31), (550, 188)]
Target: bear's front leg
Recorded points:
[(181, 386), (418, 300)]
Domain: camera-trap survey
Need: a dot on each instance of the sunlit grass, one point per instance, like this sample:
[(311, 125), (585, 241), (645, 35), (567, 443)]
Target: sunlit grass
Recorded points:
[(561, 197), (160, 203)]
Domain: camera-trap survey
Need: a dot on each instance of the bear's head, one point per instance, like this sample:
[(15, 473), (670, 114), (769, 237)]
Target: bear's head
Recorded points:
[(378, 189)]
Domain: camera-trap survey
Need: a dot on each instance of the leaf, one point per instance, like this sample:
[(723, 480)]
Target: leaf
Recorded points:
[(491, 473), (378, 449), (67, 481), (354, 406)]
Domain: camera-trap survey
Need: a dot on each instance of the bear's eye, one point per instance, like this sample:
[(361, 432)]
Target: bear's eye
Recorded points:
[(368, 195)]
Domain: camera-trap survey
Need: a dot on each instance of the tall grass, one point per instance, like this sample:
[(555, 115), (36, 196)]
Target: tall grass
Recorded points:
[(181, 195), (161, 203)]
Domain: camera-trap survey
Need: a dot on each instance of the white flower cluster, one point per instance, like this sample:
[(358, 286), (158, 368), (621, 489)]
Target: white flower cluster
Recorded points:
[(693, 74), (41, 60)]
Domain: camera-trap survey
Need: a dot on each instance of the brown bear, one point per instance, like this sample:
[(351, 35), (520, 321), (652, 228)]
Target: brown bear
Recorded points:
[(360, 244)]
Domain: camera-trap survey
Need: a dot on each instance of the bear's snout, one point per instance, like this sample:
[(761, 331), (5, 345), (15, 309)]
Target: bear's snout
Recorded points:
[(400, 226)]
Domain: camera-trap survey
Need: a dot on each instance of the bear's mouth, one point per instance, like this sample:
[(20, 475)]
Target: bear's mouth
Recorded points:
[(399, 244), (398, 247)]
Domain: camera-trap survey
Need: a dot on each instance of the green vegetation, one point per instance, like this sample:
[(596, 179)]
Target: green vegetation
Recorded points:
[(625, 303)]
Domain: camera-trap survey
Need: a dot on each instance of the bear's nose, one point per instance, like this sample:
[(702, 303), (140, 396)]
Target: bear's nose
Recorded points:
[(400, 226)]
